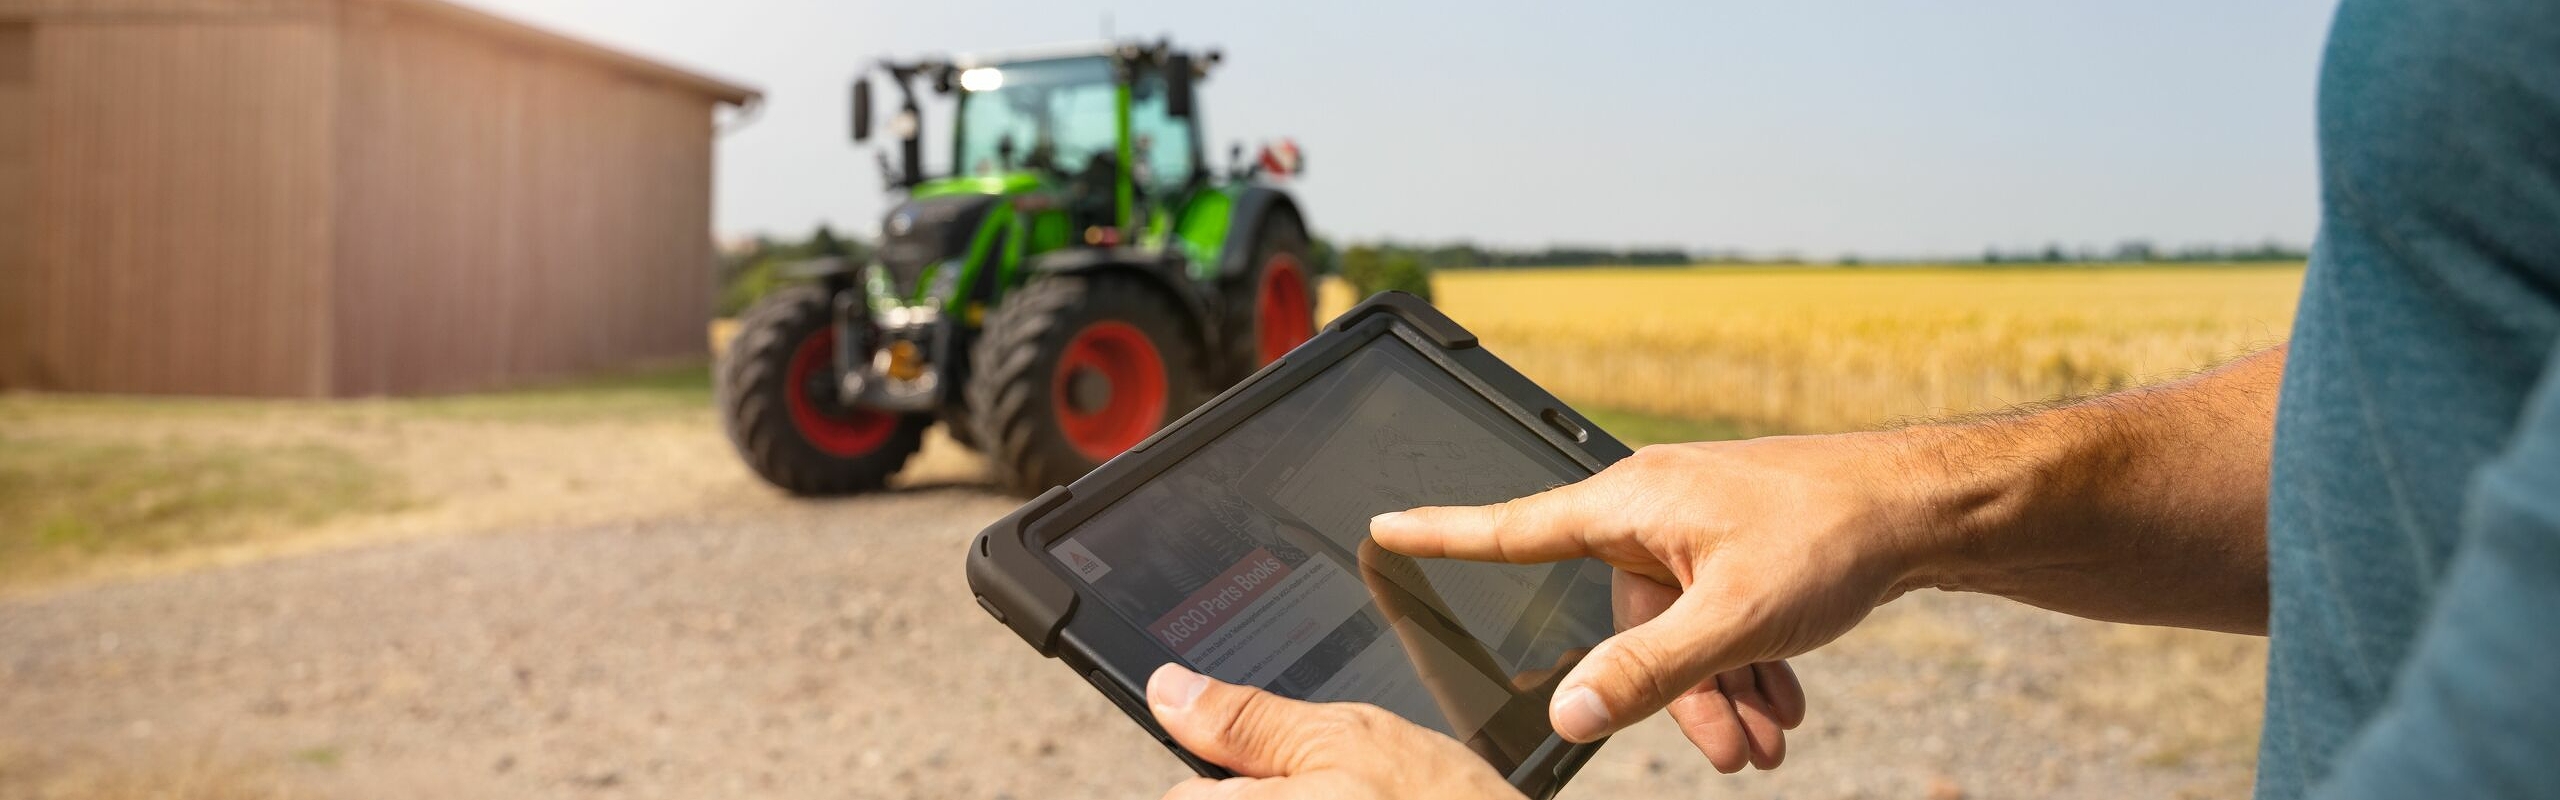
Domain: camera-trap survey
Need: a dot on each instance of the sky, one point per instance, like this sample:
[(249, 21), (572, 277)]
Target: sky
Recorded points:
[(1880, 128)]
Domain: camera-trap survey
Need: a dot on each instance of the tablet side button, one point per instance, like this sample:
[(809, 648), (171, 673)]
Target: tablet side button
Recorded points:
[(1146, 719), (991, 608), (1128, 705)]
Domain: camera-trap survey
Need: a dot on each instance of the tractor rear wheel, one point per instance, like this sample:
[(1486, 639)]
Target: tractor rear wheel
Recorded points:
[(778, 400), (1272, 307), (1073, 369)]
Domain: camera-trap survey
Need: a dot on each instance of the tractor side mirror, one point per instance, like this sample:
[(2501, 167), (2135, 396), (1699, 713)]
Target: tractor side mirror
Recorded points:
[(1177, 86), (861, 109)]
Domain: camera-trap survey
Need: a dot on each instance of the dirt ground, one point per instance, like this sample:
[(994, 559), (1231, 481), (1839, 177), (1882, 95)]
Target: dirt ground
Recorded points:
[(614, 609)]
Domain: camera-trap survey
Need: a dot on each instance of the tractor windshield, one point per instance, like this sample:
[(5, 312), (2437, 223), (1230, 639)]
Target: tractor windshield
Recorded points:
[(1055, 115)]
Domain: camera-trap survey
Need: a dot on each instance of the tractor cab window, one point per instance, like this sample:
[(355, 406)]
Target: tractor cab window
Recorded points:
[(1164, 143), (1054, 116)]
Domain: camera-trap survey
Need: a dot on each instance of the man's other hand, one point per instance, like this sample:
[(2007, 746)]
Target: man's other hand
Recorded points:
[(1731, 557), (1283, 748)]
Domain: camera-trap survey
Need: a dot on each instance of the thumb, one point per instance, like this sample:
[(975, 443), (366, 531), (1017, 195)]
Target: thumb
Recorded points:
[(1547, 526), (1630, 676), (1253, 732)]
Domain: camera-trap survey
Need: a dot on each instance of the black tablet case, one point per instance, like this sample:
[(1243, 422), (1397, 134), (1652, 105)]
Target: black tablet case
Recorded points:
[(1017, 585)]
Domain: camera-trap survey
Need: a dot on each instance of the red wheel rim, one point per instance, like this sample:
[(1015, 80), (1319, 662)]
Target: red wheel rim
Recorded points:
[(839, 432), (1284, 316), (1109, 390)]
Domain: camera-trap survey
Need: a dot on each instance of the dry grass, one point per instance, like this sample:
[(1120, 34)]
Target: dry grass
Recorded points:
[(1802, 350), (67, 500), (104, 488), (107, 487), (199, 772)]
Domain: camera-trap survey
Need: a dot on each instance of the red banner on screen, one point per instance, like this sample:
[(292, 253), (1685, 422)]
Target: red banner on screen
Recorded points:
[(1220, 600)]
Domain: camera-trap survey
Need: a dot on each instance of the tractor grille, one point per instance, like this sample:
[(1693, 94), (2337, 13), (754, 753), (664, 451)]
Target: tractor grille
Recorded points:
[(921, 232)]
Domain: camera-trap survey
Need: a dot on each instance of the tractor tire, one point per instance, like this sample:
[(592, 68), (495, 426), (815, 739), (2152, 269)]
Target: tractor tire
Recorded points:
[(1272, 306), (962, 430), (1073, 369), (776, 391)]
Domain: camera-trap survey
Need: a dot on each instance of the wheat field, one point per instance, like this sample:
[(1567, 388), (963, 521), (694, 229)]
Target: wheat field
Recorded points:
[(1816, 349)]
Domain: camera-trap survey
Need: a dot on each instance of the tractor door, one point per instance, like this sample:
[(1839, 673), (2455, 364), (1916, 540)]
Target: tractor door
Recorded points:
[(1165, 155)]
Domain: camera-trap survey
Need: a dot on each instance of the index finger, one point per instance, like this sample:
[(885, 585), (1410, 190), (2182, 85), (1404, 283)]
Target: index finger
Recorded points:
[(1543, 527)]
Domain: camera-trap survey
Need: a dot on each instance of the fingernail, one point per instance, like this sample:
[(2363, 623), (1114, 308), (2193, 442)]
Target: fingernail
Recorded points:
[(1578, 714), (1173, 688), (1373, 521)]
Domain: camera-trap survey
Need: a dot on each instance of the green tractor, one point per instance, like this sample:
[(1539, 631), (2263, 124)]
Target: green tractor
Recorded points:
[(1079, 280)]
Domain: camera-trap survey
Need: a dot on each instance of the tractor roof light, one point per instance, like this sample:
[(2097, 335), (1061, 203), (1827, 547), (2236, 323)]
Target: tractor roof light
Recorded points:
[(982, 79)]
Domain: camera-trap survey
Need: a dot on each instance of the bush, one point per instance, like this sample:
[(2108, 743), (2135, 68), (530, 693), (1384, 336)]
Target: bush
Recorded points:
[(1370, 271), (749, 274)]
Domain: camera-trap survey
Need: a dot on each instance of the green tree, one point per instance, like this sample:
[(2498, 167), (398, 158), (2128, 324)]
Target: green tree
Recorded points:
[(748, 276), (1371, 270)]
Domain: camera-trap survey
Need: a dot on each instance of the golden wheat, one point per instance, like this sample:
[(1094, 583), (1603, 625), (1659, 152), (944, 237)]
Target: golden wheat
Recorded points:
[(1839, 349)]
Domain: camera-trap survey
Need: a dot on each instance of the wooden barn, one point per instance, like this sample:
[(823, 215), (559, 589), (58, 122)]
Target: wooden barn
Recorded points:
[(328, 198)]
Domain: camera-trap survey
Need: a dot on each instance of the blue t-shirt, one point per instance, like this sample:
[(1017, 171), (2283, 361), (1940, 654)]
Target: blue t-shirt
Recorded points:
[(2414, 542)]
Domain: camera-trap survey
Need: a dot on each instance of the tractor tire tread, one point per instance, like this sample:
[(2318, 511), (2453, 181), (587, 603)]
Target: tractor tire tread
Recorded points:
[(1240, 294), (1008, 394)]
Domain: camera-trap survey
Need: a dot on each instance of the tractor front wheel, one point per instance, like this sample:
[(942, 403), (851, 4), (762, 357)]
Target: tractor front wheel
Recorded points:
[(1072, 370), (778, 400)]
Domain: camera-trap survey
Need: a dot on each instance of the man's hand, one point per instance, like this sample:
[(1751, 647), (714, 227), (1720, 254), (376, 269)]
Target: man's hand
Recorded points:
[(1740, 716), (1730, 557), (2146, 506), (1285, 748)]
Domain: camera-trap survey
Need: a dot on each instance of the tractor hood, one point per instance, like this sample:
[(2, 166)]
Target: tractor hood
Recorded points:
[(1009, 183), (926, 230)]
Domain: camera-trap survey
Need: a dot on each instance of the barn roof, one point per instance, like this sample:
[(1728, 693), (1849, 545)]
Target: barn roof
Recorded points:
[(494, 25), (470, 19)]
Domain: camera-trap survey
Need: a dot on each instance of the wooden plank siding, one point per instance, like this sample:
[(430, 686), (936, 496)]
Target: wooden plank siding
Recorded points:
[(182, 209), (506, 213), (340, 198), (134, 10), (17, 187)]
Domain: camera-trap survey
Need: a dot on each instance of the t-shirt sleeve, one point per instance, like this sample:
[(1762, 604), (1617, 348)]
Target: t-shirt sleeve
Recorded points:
[(2475, 711)]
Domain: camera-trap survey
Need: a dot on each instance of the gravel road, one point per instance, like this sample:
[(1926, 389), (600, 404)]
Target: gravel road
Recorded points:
[(782, 649)]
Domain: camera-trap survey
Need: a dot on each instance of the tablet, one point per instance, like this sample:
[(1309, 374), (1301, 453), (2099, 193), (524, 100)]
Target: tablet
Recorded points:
[(1235, 542)]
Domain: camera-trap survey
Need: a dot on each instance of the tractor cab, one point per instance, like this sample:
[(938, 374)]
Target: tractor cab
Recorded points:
[(1113, 124), (1100, 142), (1075, 279), (1071, 123)]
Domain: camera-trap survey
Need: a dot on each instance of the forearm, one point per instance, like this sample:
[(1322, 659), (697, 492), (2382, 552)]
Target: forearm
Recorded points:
[(2145, 506)]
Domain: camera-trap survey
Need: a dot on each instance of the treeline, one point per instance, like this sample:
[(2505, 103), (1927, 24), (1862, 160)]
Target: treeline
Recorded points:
[(2142, 250), (751, 268), (1467, 255)]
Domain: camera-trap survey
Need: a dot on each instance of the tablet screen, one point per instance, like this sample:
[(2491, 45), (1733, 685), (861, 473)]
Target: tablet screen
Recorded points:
[(1249, 559)]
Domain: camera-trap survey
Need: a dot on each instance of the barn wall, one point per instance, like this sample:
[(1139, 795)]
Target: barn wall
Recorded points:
[(133, 10), (17, 184), (509, 213), (181, 222)]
